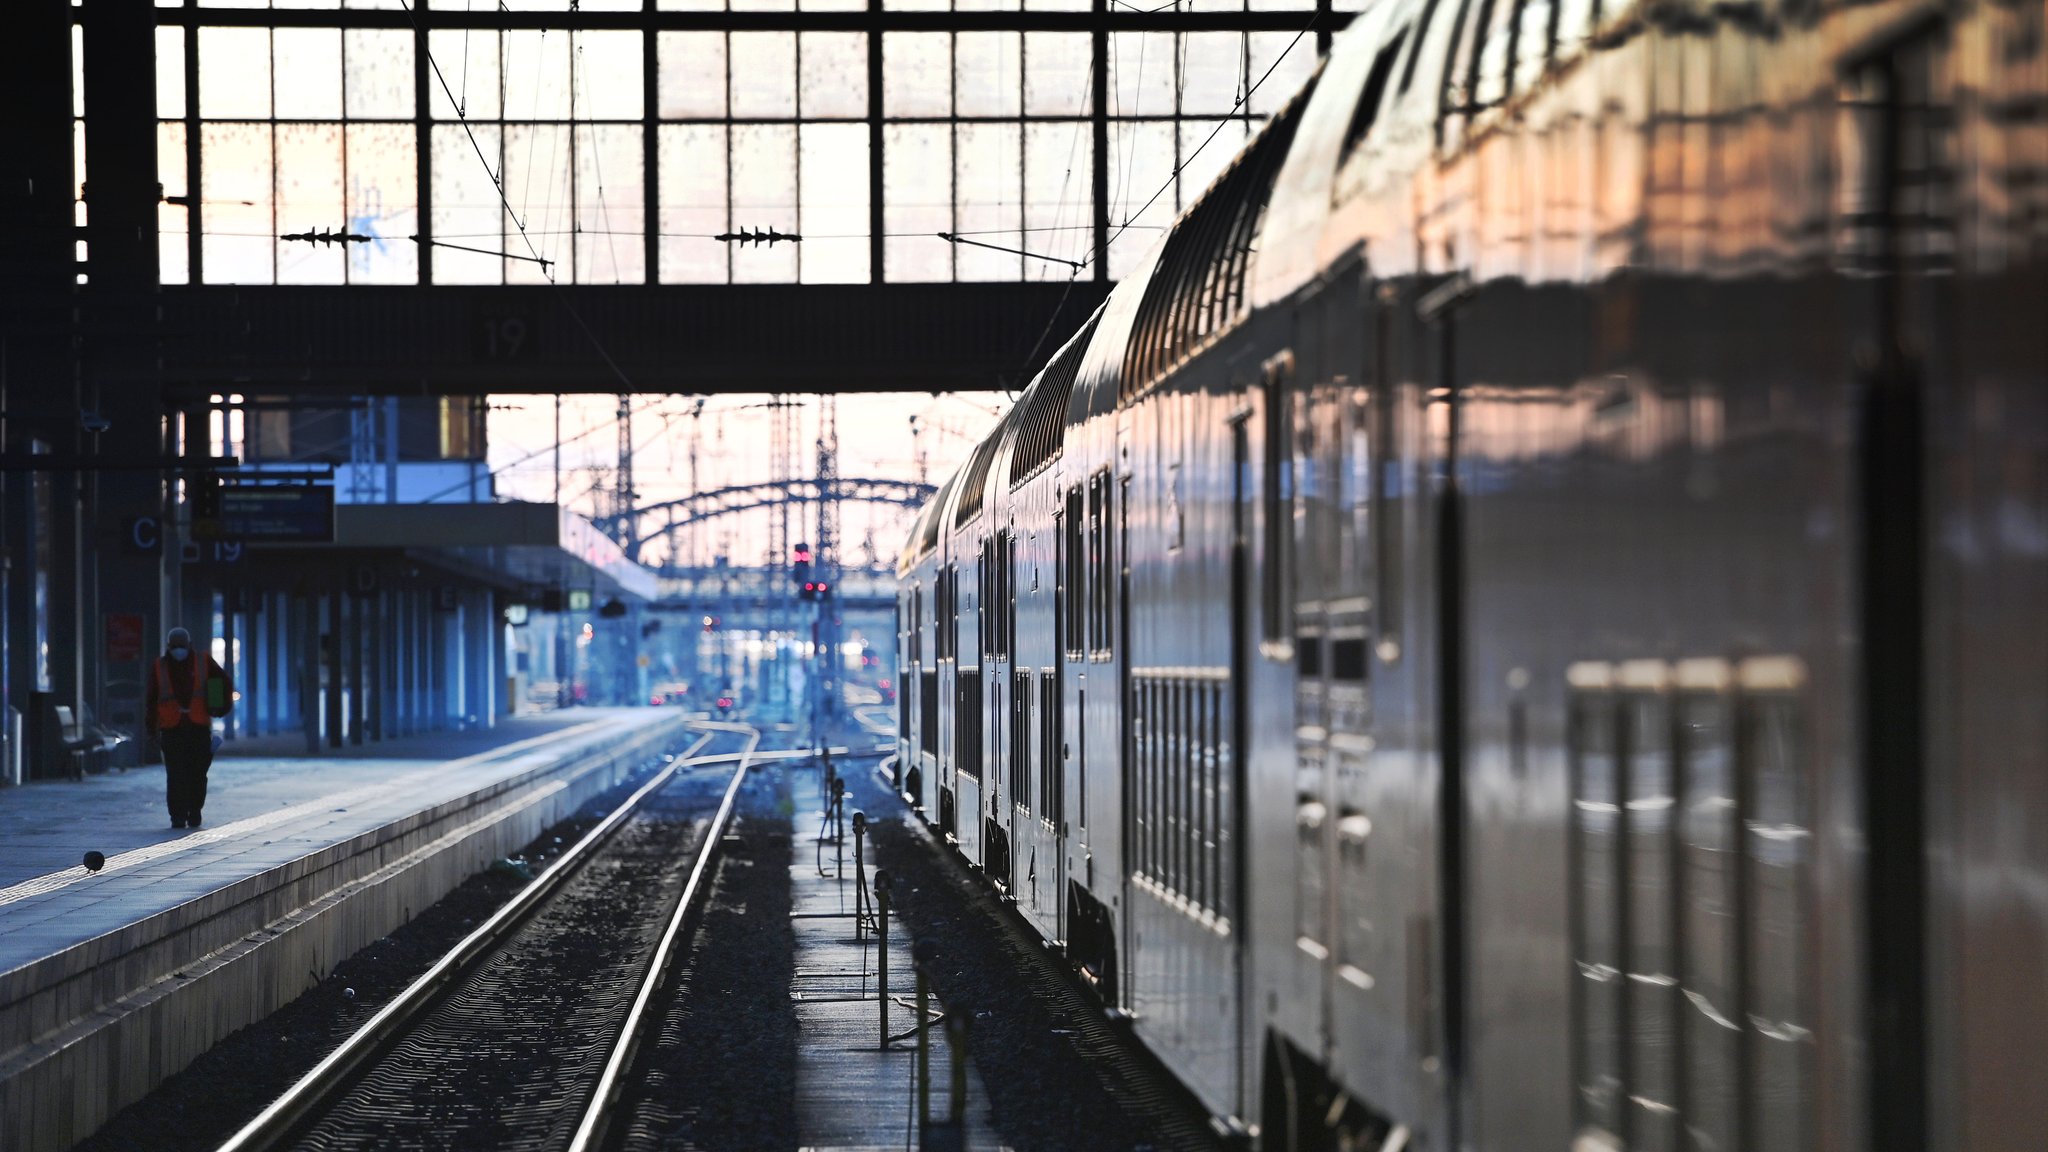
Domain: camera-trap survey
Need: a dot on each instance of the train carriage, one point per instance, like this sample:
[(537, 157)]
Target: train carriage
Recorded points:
[(1527, 633)]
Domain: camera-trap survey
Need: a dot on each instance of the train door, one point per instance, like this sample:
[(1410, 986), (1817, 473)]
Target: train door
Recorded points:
[(1091, 931), (923, 746), (1052, 745), (1116, 565), (947, 597), (990, 700), (908, 663), (1052, 791)]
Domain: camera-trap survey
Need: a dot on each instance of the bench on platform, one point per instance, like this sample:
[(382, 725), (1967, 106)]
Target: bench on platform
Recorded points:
[(86, 747)]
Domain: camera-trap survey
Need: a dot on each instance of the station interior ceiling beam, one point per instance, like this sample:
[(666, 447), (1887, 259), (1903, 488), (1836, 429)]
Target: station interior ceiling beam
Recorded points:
[(1151, 18), (456, 340)]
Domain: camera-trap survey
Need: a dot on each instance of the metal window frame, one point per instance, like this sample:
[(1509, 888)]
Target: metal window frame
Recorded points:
[(1099, 22)]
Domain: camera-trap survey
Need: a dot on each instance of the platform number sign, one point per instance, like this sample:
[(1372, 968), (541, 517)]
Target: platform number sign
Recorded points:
[(504, 338)]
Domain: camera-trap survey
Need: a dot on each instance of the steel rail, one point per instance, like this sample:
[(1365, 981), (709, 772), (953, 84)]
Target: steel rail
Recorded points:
[(606, 1095), (272, 1126)]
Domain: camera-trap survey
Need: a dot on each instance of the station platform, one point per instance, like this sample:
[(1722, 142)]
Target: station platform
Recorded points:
[(111, 981), (853, 1094)]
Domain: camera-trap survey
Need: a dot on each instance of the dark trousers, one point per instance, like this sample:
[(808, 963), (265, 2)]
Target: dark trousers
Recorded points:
[(188, 753)]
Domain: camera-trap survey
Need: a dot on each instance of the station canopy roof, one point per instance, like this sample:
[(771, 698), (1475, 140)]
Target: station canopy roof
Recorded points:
[(516, 545)]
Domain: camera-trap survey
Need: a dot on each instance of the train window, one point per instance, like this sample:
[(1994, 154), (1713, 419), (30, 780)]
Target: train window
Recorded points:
[(916, 624), (1574, 25), (1532, 43), (1308, 655), (1042, 423), (1421, 32), (1081, 757), (1596, 873), (1493, 55), (1006, 568), (1777, 851), (930, 538), (967, 724), (1311, 888), (1176, 513), (1180, 787), (946, 609), (998, 597), (1020, 738), (1367, 113), (1454, 87), (1102, 584), (974, 495), (1688, 859), (1218, 771), (1277, 589), (928, 711), (1142, 811), (1052, 777), (985, 591), (1351, 466), (1354, 928), (1074, 592), (1386, 489), (1651, 985), (1197, 289), (1347, 658), (1708, 842), (903, 705), (1319, 496)]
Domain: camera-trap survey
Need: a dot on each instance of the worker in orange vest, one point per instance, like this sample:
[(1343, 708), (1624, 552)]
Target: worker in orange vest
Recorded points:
[(187, 691)]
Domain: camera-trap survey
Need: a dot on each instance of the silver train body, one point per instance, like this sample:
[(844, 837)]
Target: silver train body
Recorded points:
[(1525, 624)]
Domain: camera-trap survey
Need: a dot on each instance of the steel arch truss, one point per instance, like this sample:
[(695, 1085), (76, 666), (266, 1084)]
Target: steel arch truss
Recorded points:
[(718, 502)]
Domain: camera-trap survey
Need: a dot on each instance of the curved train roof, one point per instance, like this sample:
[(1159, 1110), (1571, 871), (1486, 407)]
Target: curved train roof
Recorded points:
[(1229, 253)]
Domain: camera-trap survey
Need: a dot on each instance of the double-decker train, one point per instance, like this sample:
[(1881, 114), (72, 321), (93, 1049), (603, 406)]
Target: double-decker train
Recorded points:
[(1524, 624)]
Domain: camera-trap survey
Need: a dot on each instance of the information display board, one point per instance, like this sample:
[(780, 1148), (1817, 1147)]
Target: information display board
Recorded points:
[(283, 512)]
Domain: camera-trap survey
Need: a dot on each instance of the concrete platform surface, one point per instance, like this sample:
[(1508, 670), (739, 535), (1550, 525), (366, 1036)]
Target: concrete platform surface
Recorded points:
[(111, 981), (261, 811), (47, 825), (851, 1094)]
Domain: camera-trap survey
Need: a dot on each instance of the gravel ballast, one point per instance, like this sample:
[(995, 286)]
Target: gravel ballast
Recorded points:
[(1060, 1076), (211, 1098), (720, 1075)]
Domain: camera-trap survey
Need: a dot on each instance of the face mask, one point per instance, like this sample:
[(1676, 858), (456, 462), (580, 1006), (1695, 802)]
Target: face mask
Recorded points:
[(180, 653)]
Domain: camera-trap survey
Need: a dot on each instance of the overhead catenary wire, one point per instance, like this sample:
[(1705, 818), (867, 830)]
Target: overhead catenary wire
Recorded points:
[(498, 183), (1130, 218), (1066, 182), (425, 242), (460, 485), (957, 238), (597, 168), (1240, 102)]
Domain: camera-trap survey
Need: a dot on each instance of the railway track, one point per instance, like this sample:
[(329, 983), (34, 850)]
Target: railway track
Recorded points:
[(520, 1037)]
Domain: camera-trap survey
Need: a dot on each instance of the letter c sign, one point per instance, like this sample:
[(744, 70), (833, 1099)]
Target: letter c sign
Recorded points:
[(142, 536)]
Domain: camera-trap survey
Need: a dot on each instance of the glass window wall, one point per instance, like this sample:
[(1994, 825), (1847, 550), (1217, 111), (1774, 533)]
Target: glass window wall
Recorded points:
[(896, 147)]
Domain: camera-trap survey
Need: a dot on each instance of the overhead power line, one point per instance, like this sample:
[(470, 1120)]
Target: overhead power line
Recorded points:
[(498, 184)]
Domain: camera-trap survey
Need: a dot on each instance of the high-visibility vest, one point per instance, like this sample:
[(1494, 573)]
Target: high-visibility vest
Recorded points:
[(170, 711)]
